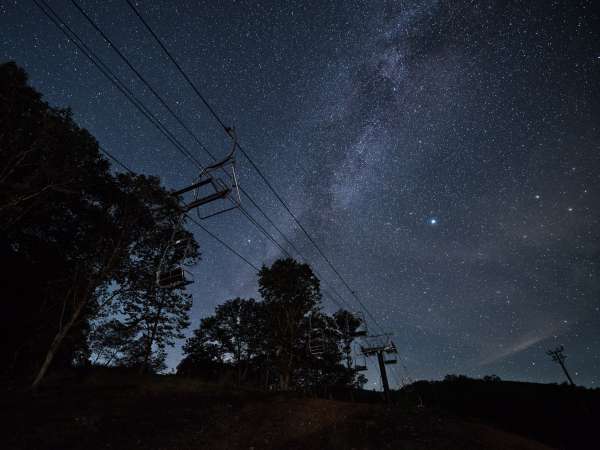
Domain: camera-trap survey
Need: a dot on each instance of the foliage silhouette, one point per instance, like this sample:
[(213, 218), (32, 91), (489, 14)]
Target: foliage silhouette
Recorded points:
[(266, 343), (79, 243)]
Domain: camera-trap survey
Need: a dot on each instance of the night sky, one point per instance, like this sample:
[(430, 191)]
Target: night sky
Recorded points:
[(444, 154)]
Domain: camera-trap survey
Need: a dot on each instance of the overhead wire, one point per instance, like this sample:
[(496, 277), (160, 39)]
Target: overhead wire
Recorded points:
[(90, 54), (252, 163), (116, 49), (198, 224), (110, 75), (111, 43), (223, 243), (113, 78), (115, 160), (181, 71), (202, 145)]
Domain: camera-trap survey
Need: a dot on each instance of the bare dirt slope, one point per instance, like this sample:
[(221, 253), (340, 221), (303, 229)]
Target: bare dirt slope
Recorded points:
[(170, 414)]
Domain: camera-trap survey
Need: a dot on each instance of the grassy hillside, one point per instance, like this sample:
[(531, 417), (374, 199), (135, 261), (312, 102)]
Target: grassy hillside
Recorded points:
[(176, 413)]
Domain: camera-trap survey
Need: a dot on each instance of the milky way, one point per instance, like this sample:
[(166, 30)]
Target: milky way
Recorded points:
[(445, 156)]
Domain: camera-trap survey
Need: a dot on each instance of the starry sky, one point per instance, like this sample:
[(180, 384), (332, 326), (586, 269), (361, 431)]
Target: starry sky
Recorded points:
[(445, 155)]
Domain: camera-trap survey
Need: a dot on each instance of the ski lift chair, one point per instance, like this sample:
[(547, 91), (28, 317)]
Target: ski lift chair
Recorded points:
[(316, 339), (392, 360), (361, 330), (391, 347), (316, 343), (171, 273), (391, 350), (360, 364), (174, 278), (219, 188)]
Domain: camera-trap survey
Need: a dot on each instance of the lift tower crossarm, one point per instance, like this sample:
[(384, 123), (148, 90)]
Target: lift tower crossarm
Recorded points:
[(558, 357), (380, 350)]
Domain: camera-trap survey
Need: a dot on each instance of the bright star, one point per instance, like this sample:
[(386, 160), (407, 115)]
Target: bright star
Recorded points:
[(433, 221)]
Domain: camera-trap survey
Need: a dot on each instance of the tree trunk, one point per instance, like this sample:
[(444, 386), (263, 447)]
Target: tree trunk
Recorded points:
[(108, 266), (151, 338), (56, 343), (147, 351), (284, 382), (267, 378)]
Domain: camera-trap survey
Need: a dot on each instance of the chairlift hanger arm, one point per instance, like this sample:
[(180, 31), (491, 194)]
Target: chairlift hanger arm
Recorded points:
[(204, 200), (191, 187), (216, 165), (229, 156)]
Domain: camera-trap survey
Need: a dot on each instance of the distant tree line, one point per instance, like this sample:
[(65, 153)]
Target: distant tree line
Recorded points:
[(79, 246)]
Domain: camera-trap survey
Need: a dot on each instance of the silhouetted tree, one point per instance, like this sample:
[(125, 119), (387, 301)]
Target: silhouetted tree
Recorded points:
[(234, 334), (290, 291), (349, 325), (160, 316), (74, 235), (319, 372), (108, 340), (271, 339), (53, 186)]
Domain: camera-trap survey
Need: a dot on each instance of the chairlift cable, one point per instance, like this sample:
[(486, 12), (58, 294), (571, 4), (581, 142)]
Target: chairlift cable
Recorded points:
[(126, 168), (223, 243), (145, 111), (256, 168), (114, 158), (141, 77), (272, 239), (178, 119), (181, 71), (76, 39), (169, 109), (110, 75), (263, 231)]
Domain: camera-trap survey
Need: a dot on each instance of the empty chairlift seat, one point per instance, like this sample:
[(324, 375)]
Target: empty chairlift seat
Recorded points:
[(216, 189), (360, 364), (390, 360), (174, 278), (171, 273), (316, 338), (215, 182), (391, 352)]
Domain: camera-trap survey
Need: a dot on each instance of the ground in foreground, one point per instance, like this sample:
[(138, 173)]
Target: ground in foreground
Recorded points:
[(171, 413)]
